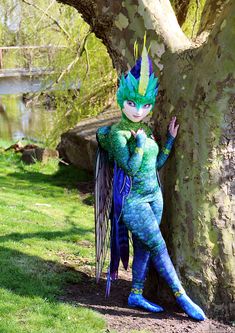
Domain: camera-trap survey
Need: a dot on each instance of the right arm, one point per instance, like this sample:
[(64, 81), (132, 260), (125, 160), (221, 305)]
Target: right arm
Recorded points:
[(129, 163)]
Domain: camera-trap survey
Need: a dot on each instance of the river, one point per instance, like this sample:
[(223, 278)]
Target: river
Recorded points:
[(18, 121)]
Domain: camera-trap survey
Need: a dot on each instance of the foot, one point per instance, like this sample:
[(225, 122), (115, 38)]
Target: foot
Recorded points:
[(189, 307), (138, 301)]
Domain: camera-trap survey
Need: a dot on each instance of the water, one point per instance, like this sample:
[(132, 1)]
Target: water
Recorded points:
[(18, 121)]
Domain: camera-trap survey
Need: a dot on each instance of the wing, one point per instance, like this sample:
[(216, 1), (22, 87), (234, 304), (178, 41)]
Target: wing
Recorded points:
[(103, 206)]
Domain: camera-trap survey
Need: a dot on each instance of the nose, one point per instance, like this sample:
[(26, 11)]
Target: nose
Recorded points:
[(139, 109)]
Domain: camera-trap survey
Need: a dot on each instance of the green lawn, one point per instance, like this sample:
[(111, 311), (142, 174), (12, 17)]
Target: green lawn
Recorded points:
[(44, 224)]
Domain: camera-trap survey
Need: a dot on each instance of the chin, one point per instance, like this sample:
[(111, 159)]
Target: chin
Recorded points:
[(136, 120)]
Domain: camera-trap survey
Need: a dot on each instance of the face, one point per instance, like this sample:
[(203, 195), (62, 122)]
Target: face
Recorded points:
[(136, 112)]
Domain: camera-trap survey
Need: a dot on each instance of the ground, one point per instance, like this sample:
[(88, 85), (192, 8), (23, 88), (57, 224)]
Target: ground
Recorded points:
[(47, 274), (120, 318)]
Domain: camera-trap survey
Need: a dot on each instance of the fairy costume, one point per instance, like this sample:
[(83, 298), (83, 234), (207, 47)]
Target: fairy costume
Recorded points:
[(136, 203)]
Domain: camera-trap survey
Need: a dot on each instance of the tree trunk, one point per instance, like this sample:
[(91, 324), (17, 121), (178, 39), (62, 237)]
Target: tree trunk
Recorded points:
[(197, 85), (198, 181)]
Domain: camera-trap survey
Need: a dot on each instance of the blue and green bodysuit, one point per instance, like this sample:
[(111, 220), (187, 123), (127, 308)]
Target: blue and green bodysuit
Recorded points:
[(137, 199)]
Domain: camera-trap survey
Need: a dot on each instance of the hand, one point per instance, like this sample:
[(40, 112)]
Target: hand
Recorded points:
[(173, 128), (140, 137)]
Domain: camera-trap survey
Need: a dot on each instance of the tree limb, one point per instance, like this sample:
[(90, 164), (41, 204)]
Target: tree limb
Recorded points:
[(210, 14), (120, 23), (50, 17)]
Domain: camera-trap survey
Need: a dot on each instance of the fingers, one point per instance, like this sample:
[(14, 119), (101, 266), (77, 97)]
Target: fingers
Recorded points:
[(140, 130), (133, 133), (172, 123), (173, 128), (176, 128)]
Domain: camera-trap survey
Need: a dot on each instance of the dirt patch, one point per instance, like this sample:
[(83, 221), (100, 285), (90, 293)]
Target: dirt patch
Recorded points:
[(123, 319)]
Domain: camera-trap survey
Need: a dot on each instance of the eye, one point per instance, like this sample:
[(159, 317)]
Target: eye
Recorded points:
[(147, 106), (130, 103)]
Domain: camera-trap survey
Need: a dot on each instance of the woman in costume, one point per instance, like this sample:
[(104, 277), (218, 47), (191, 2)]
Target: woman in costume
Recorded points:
[(137, 201)]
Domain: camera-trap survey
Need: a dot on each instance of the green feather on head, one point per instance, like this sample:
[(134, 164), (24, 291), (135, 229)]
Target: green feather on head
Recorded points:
[(139, 84), (144, 71)]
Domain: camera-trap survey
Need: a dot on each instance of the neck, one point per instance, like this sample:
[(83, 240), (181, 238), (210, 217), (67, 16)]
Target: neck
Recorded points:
[(128, 124)]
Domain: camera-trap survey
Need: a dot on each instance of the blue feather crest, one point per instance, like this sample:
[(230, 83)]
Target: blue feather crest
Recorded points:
[(129, 85)]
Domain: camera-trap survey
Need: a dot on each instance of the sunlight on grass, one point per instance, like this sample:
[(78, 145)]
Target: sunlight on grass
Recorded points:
[(43, 225)]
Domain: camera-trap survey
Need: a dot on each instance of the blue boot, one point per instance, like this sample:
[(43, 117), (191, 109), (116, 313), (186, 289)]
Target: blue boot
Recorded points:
[(139, 272), (189, 307), (138, 301), (165, 268)]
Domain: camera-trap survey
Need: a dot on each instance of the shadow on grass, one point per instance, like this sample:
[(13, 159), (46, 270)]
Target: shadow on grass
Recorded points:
[(31, 276), (15, 236), (66, 176)]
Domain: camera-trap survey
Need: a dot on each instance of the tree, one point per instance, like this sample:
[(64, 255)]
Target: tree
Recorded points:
[(196, 85), (59, 40)]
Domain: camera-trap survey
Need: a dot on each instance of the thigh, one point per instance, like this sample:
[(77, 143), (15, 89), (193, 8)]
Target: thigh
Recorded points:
[(141, 221), (138, 245), (157, 207)]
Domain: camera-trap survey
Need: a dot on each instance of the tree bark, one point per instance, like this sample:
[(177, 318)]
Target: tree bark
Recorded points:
[(210, 14), (120, 23), (197, 85), (200, 91), (181, 9)]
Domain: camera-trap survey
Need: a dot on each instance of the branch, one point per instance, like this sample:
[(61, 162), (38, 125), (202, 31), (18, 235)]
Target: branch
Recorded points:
[(50, 17), (210, 15), (120, 23), (196, 17), (46, 11), (80, 50), (87, 60), (181, 10)]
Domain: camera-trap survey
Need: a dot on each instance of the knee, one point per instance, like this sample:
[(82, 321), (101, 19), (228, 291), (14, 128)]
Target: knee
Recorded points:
[(158, 248)]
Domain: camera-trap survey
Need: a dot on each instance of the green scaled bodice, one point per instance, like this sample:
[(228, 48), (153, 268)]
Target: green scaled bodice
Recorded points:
[(140, 164)]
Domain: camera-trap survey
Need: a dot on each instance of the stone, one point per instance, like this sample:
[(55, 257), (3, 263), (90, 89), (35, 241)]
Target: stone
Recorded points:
[(31, 155), (44, 154), (78, 145)]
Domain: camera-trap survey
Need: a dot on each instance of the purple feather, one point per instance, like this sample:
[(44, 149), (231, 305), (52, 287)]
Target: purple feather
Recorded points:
[(135, 71), (108, 284), (123, 243)]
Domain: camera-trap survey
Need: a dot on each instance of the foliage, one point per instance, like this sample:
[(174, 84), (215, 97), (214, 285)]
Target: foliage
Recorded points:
[(83, 80), (188, 13)]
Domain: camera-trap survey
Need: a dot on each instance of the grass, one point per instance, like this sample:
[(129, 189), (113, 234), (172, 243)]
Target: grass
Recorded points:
[(44, 224)]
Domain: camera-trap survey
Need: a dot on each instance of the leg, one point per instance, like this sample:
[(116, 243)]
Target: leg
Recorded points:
[(141, 260), (140, 264), (157, 207), (141, 221), (139, 271)]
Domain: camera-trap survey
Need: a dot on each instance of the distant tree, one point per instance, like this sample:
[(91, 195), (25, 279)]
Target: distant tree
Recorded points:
[(73, 56)]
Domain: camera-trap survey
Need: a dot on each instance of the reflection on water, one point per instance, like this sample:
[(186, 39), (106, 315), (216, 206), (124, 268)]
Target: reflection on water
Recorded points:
[(18, 121)]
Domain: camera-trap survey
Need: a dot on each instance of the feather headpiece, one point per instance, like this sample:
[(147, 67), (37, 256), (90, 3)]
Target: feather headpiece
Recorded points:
[(139, 84)]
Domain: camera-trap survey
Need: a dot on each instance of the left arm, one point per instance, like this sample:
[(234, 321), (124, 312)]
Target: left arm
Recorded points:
[(165, 151)]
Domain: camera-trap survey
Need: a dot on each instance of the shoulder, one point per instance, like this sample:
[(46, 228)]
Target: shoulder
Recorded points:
[(117, 133), (102, 136)]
